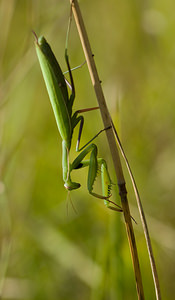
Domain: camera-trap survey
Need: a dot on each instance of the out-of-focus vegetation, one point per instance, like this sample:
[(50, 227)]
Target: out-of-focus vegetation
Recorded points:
[(47, 250)]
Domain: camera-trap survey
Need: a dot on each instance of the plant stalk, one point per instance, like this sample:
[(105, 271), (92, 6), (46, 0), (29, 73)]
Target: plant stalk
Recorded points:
[(112, 143)]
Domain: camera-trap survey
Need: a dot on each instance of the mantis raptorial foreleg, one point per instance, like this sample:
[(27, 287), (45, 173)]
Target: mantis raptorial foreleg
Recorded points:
[(93, 168)]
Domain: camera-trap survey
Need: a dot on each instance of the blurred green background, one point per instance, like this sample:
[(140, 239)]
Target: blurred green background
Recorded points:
[(48, 251)]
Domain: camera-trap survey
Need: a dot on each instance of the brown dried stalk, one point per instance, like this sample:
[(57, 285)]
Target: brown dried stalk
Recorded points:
[(112, 143)]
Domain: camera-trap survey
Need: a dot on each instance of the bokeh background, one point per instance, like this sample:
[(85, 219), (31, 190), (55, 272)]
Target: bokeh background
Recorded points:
[(49, 250)]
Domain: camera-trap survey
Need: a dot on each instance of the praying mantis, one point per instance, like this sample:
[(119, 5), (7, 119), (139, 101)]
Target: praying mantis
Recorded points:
[(62, 104)]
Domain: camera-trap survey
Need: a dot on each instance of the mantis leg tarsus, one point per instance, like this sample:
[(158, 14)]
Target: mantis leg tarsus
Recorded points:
[(114, 208), (87, 109), (100, 196)]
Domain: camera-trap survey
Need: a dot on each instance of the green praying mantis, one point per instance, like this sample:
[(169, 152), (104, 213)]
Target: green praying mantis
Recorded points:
[(62, 104)]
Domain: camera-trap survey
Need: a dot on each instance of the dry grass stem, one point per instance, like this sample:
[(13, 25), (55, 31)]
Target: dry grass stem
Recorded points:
[(111, 140)]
